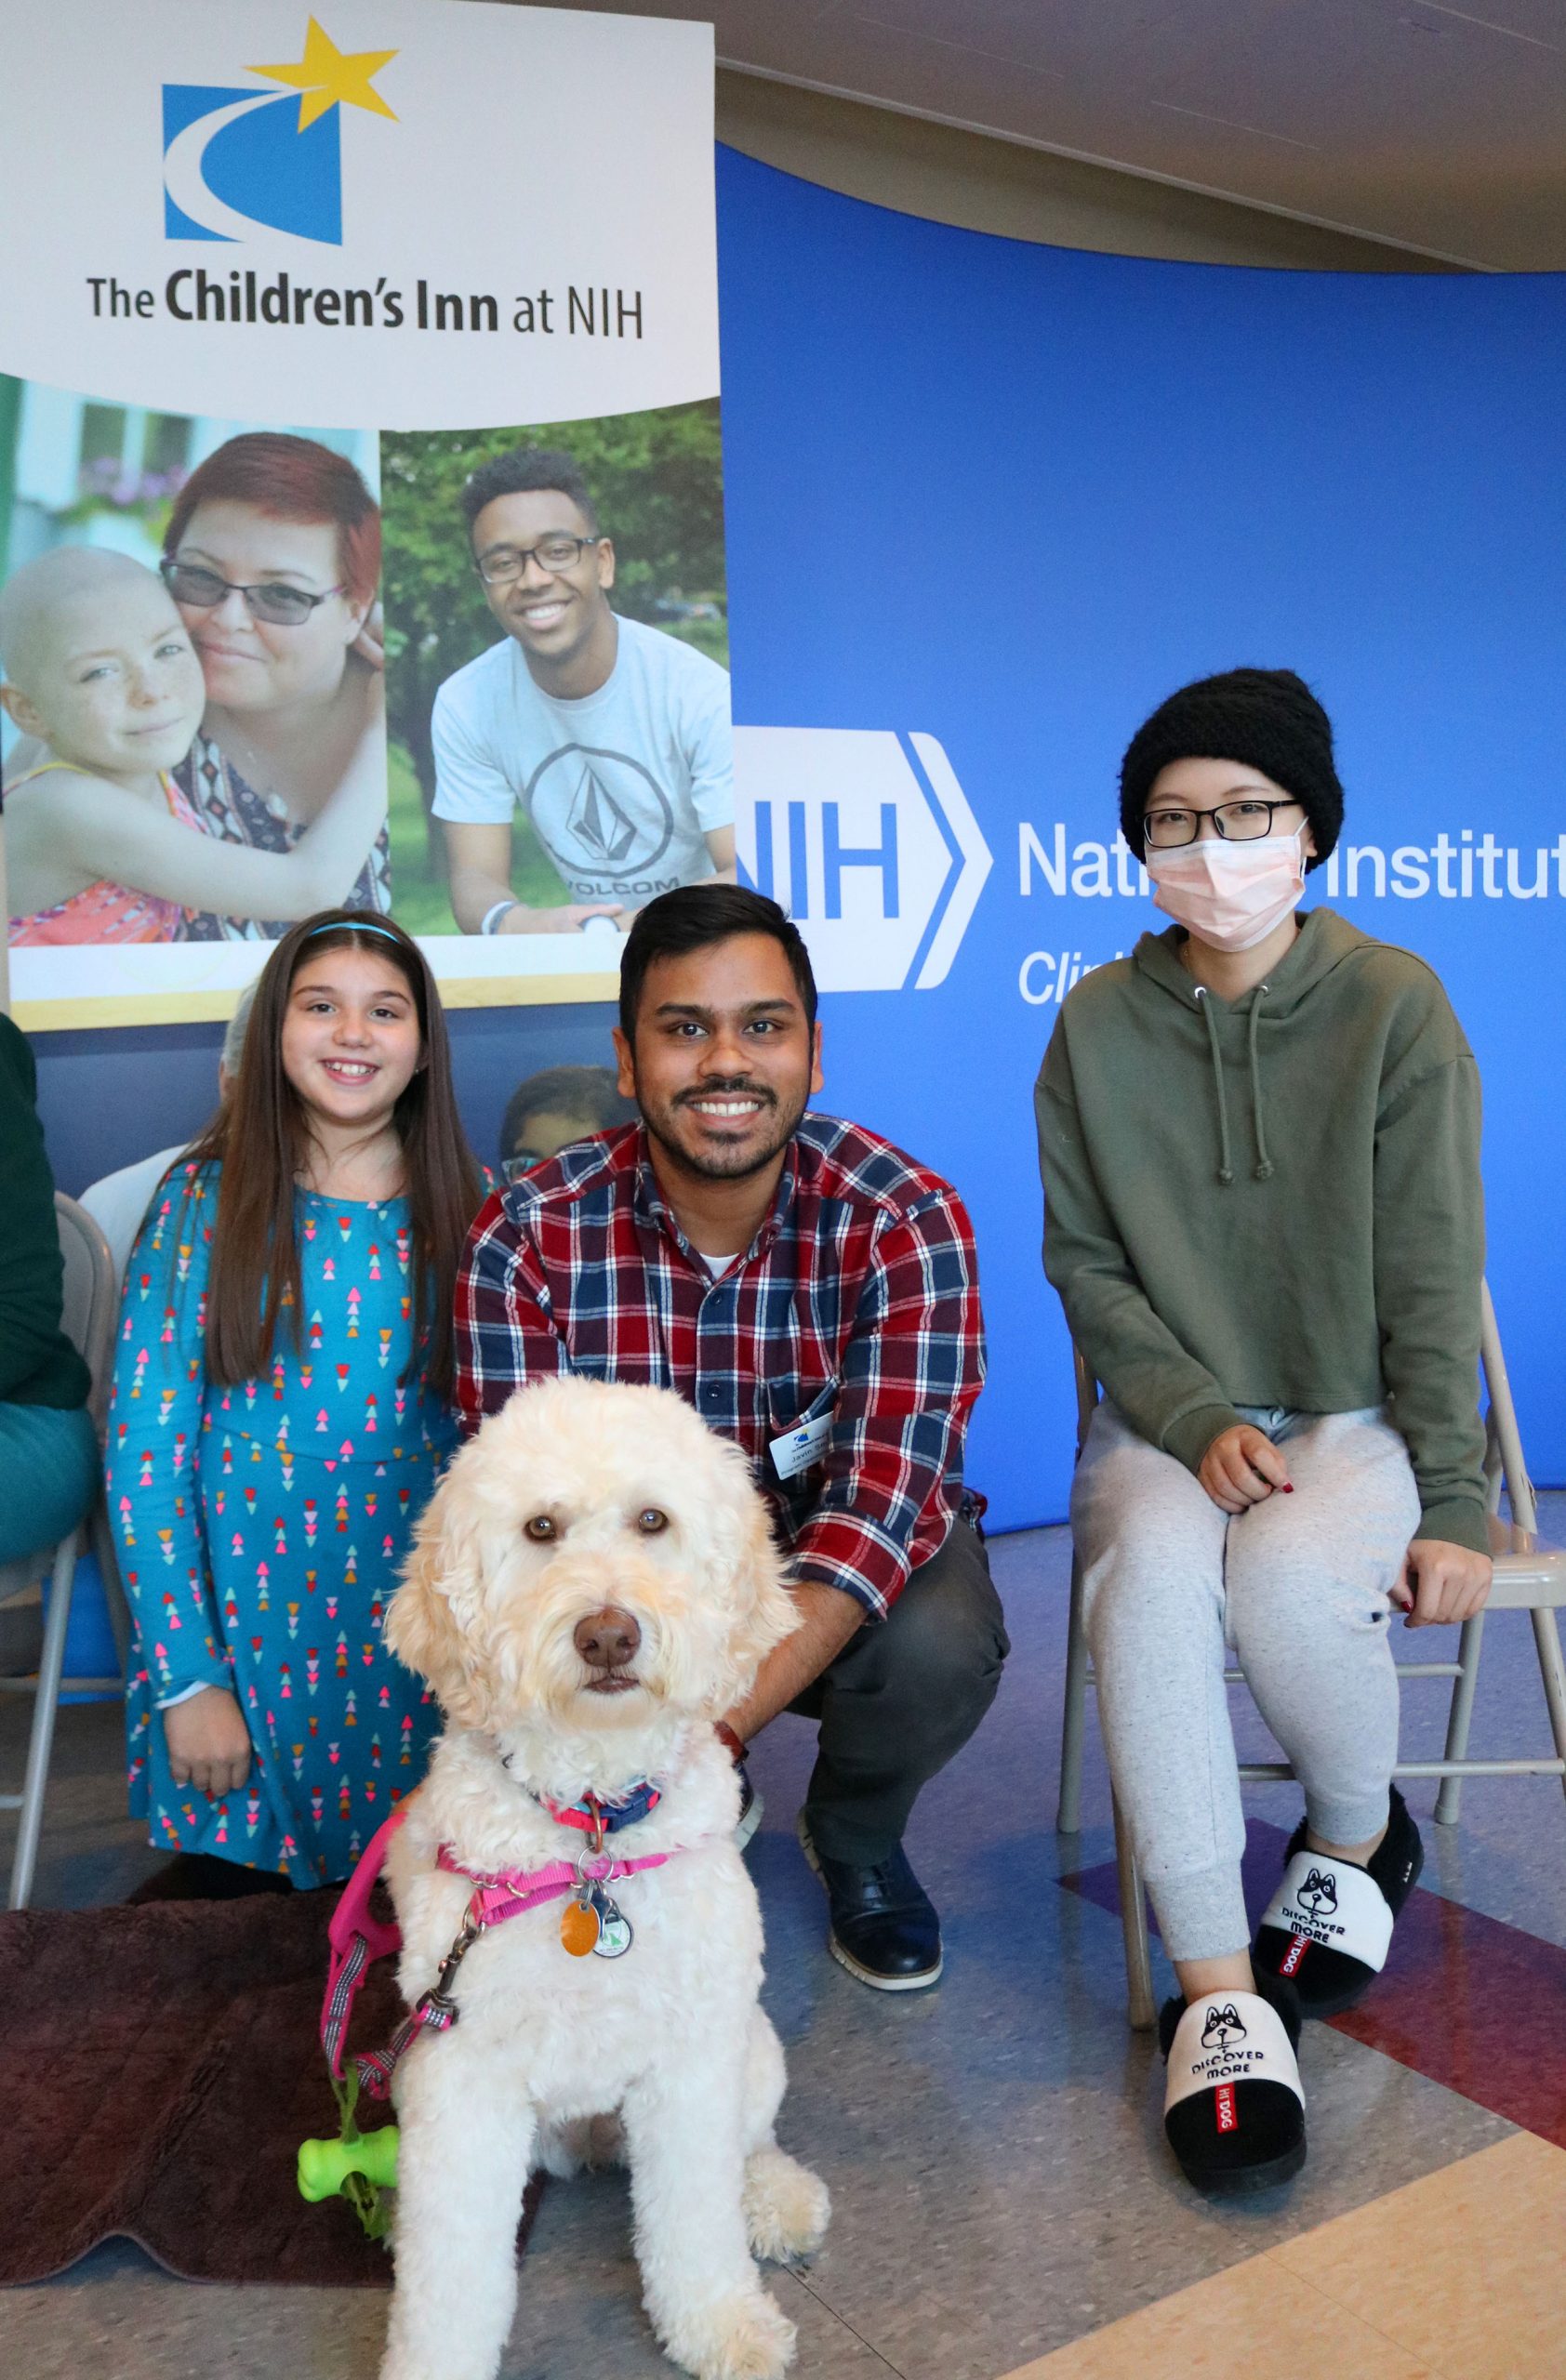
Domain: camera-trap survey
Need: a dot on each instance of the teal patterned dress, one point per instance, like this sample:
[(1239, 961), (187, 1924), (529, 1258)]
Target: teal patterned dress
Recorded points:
[(260, 1530)]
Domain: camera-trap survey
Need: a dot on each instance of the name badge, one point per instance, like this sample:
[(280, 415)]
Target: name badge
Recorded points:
[(797, 1450)]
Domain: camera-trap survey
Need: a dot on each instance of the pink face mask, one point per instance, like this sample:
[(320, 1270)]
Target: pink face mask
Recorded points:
[(1229, 894)]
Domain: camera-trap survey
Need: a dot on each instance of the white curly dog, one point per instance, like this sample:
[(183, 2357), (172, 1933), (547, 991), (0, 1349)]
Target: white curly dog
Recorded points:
[(594, 1585)]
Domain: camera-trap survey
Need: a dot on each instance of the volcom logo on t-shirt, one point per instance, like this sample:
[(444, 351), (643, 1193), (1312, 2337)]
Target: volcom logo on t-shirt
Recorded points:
[(595, 809), (598, 822)]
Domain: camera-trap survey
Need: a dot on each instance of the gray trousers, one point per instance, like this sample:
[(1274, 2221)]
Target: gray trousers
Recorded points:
[(1298, 1587), (900, 1699)]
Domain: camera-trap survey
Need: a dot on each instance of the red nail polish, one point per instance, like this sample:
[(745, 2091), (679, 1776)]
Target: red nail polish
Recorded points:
[(1288, 1487)]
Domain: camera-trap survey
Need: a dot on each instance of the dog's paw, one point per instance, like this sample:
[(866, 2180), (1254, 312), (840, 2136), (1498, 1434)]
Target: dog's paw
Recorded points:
[(605, 2144), (585, 2145), (742, 2338), (562, 2148), (786, 2207)]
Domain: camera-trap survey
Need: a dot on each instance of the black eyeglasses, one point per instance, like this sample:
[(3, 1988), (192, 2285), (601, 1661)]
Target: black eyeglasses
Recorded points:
[(1237, 821), (281, 606), (498, 567)]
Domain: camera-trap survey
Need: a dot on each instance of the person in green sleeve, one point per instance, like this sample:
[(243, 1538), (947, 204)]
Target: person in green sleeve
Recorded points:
[(49, 1452), (1259, 1137)]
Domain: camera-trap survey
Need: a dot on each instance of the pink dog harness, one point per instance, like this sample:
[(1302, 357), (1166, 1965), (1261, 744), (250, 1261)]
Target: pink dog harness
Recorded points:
[(359, 1940)]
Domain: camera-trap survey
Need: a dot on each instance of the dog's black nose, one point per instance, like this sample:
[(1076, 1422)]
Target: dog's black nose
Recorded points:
[(607, 1639)]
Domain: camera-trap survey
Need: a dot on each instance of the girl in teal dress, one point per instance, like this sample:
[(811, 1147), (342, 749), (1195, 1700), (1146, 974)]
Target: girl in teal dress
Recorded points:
[(281, 1414)]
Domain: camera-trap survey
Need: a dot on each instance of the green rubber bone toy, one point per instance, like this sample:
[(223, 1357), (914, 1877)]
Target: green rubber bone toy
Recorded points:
[(357, 2165)]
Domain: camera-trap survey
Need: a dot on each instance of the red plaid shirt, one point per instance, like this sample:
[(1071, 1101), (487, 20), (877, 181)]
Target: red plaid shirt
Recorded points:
[(859, 1298)]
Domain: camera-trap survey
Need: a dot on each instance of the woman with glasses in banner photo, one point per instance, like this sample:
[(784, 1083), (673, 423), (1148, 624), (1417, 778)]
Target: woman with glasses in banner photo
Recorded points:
[(273, 555), (127, 819), (1259, 1137)]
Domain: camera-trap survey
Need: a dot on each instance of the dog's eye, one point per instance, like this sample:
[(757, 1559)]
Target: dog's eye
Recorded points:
[(540, 1529), (650, 1521)]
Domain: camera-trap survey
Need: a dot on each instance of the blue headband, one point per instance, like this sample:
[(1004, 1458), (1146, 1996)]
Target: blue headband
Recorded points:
[(355, 925)]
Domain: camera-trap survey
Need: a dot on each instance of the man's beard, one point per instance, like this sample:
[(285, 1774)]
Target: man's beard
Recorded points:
[(737, 1165)]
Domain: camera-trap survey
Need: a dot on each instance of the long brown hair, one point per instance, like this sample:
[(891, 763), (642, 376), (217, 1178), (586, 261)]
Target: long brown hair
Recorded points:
[(260, 1139)]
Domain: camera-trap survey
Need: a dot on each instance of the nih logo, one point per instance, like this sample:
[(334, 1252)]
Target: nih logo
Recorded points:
[(867, 840), (236, 161)]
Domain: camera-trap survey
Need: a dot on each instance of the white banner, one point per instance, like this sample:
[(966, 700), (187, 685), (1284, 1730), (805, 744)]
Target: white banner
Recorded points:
[(361, 506), (459, 215)]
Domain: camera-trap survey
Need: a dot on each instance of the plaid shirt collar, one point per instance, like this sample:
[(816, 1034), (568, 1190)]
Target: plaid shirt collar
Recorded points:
[(651, 1208)]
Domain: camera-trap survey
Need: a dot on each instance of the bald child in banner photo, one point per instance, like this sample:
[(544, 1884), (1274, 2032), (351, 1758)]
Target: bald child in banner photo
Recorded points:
[(101, 845)]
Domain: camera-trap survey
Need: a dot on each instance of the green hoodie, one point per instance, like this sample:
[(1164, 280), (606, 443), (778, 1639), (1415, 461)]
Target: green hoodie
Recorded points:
[(1273, 1202)]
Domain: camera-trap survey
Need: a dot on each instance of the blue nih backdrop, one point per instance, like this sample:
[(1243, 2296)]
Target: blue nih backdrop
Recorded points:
[(1009, 497)]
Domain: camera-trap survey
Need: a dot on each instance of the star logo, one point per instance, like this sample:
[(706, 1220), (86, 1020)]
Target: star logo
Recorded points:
[(328, 77), (237, 161)]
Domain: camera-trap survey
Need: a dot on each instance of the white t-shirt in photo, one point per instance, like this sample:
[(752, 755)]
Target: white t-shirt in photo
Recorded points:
[(620, 785)]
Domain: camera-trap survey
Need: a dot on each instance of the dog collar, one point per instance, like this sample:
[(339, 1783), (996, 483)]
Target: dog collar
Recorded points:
[(594, 1815)]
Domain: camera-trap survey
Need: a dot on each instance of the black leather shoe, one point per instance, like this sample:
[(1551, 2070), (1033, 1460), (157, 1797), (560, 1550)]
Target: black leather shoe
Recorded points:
[(884, 1929)]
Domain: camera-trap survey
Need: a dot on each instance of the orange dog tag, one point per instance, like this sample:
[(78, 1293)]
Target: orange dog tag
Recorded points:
[(578, 1927)]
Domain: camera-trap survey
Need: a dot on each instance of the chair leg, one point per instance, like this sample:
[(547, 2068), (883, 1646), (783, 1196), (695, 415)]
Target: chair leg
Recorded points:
[(1069, 1813), (1141, 2007), (1552, 1669), (101, 1537), (52, 1664), (1459, 1716)]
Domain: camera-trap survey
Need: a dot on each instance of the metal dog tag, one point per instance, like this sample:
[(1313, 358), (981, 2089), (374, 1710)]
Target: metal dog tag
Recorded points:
[(580, 1929), (615, 1936)]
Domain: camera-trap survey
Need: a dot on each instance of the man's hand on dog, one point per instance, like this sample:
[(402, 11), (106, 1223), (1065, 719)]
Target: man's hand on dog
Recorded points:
[(208, 1742), (829, 1617)]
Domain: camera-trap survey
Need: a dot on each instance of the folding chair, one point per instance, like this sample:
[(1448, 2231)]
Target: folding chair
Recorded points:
[(91, 1296), (1529, 1577)]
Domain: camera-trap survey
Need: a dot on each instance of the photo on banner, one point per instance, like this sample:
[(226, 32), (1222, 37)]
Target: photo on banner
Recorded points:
[(201, 655), (193, 691), (563, 772)]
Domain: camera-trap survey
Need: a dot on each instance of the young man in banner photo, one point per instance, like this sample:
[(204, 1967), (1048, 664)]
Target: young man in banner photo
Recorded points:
[(615, 739), (1259, 1137), (813, 1294)]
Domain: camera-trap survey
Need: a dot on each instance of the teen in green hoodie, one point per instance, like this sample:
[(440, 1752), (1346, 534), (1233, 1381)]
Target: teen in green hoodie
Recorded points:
[(1259, 1142)]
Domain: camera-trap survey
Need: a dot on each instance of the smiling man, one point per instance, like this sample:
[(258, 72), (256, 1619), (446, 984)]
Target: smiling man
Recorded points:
[(614, 739), (813, 1294)]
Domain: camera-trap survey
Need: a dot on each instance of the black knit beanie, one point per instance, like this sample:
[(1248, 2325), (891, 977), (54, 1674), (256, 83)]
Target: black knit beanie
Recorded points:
[(1265, 718)]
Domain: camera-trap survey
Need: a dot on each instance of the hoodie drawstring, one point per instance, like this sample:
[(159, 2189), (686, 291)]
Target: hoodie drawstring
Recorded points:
[(1225, 1163), (1264, 1166), (1225, 1170)]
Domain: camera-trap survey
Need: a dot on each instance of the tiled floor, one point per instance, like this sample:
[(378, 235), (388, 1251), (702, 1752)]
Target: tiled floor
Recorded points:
[(1001, 2194), (1456, 2276)]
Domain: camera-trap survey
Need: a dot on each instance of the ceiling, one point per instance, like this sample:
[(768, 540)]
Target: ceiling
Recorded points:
[(1443, 129)]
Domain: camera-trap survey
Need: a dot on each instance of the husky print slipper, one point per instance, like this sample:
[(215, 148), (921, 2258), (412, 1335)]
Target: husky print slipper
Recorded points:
[(1233, 2110), (1328, 1927)]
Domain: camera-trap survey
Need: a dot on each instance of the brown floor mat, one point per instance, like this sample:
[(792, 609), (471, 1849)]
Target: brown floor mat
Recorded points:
[(159, 2067)]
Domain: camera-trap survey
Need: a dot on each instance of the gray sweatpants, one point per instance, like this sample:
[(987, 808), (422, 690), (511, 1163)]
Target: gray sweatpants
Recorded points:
[(1297, 1586)]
